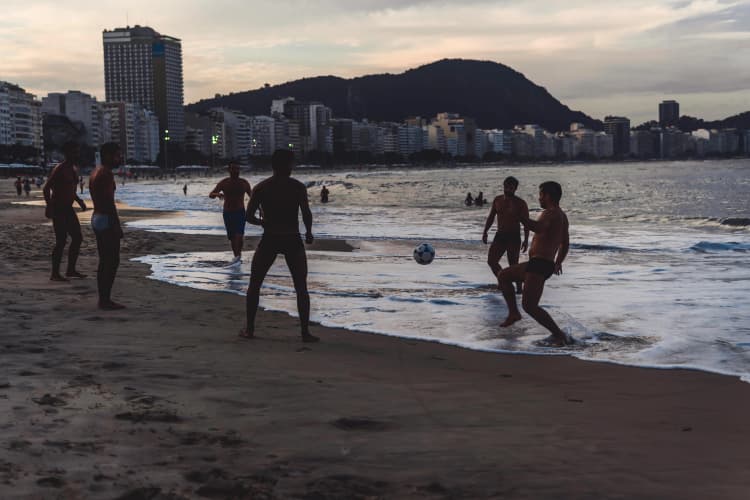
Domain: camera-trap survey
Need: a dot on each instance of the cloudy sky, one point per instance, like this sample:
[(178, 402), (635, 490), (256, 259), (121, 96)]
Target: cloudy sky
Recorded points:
[(599, 56)]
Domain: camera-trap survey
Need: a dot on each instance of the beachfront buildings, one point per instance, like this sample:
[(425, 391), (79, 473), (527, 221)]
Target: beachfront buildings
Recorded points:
[(20, 117), (82, 109), (144, 67), (135, 129), (619, 128)]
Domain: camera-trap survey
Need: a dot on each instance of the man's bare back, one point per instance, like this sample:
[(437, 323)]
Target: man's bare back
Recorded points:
[(232, 191)]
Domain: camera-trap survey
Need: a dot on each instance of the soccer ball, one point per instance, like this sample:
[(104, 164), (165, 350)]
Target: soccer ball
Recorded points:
[(424, 254)]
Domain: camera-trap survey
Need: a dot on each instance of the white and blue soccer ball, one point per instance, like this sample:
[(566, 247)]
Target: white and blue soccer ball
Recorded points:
[(424, 254)]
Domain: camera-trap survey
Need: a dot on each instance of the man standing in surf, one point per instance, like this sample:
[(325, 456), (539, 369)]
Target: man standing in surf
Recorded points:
[(546, 255), (508, 209), (233, 190), (280, 199)]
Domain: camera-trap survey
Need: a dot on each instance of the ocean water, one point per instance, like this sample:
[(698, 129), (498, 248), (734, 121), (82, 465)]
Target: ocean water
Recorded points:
[(658, 273)]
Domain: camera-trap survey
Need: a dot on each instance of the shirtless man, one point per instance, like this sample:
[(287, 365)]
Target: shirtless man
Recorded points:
[(509, 209), (280, 198), (546, 255), (232, 190), (106, 223), (59, 194)]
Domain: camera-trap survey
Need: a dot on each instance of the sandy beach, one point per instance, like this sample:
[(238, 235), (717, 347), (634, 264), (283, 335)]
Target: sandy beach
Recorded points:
[(164, 401)]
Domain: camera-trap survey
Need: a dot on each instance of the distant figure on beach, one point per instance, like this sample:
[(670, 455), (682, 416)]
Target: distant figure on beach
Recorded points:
[(479, 200), (27, 186), (546, 255), (59, 194), (184, 189), (81, 184), (232, 190), (280, 199), (324, 194), (19, 186), (508, 209), (39, 181), (469, 201), (106, 223)]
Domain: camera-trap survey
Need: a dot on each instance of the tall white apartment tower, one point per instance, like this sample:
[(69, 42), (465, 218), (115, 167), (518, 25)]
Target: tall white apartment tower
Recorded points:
[(144, 67)]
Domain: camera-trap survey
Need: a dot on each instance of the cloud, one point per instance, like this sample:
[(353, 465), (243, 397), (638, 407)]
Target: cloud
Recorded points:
[(587, 52)]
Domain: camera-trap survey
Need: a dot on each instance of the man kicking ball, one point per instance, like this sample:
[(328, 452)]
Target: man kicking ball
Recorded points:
[(546, 255), (280, 199), (232, 190)]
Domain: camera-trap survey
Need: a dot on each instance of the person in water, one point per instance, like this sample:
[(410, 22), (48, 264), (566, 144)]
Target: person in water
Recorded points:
[(469, 201), (508, 209), (280, 199), (548, 251), (232, 190), (324, 195)]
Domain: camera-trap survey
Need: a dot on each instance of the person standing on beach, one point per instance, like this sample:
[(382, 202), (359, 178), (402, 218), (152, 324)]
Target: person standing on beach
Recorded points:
[(280, 199), (546, 255), (184, 189), (81, 184), (232, 190), (508, 209), (19, 186), (59, 195), (27, 186), (106, 223)]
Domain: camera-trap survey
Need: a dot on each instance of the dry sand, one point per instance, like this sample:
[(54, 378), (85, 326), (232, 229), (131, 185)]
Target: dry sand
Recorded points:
[(163, 400)]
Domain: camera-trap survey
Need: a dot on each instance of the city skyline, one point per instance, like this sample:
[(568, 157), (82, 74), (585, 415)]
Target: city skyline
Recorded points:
[(599, 58)]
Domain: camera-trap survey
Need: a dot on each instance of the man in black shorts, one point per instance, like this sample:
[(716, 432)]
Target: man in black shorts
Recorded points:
[(546, 255), (280, 199), (508, 209), (59, 194)]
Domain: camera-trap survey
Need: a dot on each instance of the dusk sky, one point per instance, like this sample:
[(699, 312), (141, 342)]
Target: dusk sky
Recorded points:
[(599, 56)]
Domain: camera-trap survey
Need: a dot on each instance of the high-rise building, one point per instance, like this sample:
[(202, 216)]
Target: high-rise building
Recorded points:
[(619, 128), (669, 113), (20, 117), (135, 129), (144, 67), (81, 108)]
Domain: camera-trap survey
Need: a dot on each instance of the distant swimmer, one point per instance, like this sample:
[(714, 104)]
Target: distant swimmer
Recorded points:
[(184, 189), (546, 255), (106, 223), (469, 201), (479, 200), (233, 190), (508, 209), (280, 199), (59, 194), (324, 195)]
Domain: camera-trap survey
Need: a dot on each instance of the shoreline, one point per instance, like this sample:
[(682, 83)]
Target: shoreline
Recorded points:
[(164, 399)]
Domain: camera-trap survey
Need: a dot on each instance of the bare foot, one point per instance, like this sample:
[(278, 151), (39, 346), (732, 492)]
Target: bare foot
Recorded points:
[(510, 320), (308, 338), (246, 334), (57, 277), (75, 274), (110, 306)]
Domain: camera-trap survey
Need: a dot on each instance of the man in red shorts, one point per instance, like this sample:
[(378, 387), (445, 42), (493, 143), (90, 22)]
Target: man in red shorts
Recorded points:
[(59, 194)]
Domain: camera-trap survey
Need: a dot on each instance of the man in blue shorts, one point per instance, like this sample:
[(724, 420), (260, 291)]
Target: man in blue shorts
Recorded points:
[(233, 190)]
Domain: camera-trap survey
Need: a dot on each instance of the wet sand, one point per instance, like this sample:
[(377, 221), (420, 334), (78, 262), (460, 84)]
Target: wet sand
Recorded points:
[(163, 400)]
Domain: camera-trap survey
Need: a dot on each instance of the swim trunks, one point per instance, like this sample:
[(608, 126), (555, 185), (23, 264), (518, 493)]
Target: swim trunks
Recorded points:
[(507, 238), (234, 222), (285, 244), (544, 267)]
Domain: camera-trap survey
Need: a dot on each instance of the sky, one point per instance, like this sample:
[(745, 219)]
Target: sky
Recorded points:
[(599, 56)]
